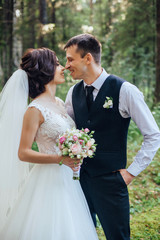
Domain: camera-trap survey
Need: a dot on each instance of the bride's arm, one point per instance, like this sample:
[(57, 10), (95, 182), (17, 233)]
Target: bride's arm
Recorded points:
[(31, 122)]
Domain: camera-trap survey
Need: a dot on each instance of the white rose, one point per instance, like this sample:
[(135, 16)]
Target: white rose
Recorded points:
[(78, 134), (105, 105), (110, 102), (65, 151), (92, 141), (84, 155), (90, 153)]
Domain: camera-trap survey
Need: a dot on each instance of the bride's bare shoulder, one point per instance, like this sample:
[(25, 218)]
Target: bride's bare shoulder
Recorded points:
[(33, 114)]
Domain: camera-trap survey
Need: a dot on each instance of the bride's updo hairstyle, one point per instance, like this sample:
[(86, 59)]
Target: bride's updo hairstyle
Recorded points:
[(40, 65)]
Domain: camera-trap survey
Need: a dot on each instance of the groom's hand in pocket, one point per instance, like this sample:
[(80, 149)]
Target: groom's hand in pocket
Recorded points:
[(127, 177)]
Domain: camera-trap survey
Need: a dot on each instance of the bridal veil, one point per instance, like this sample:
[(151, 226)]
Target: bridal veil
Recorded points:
[(13, 172)]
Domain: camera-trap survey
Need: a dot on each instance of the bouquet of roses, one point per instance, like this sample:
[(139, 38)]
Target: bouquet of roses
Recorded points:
[(77, 143)]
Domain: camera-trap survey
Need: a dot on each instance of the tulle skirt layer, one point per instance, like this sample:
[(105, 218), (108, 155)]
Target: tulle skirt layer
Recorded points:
[(51, 207)]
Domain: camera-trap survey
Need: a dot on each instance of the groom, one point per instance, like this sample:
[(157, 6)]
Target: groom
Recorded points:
[(105, 103)]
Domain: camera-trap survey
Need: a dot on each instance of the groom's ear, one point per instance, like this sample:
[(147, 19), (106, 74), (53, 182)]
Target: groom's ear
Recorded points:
[(88, 58)]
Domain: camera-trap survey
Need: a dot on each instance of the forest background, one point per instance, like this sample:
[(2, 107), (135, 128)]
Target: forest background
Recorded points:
[(129, 31)]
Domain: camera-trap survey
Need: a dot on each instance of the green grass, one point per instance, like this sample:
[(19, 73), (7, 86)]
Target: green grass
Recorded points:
[(144, 203)]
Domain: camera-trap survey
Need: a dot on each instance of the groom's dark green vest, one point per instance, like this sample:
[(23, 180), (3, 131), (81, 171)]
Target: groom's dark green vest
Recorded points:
[(110, 127)]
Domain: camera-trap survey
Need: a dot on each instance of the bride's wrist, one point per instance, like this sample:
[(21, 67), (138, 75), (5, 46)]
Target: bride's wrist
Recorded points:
[(61, 159), (58, 159), (54, 158)]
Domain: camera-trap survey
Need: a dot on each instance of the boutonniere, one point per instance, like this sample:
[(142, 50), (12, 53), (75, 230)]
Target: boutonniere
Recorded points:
[(108, 102)]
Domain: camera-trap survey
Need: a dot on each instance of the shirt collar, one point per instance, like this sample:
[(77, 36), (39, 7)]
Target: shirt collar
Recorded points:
[(97, 84)]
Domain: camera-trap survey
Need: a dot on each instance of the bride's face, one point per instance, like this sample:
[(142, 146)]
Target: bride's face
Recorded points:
[(59, 74)]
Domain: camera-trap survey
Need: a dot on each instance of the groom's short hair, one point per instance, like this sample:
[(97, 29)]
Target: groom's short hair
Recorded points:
[(86, 43)]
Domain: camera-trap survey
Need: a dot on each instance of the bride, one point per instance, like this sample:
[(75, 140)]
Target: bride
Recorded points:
[(43, 203)]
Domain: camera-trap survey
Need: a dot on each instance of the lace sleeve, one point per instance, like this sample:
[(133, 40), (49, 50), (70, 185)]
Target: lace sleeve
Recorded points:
[(40, 108)]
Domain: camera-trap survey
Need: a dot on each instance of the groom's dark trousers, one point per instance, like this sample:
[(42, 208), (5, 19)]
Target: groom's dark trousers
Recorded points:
[(102, 183), (107, 196)]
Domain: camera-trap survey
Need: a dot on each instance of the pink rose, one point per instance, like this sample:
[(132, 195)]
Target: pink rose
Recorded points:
[(62, 140), (75, 138), (76, 149), (81, 141), (86, 130), (89, 144)]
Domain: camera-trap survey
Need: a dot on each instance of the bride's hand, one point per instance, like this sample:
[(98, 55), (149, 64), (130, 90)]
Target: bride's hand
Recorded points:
[(77, 164), (73, 163)]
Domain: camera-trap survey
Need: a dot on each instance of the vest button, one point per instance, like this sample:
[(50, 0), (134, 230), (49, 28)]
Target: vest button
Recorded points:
[(89, 121)]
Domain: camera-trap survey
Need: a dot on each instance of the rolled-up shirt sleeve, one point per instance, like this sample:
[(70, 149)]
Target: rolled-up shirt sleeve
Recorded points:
[(132, 104)]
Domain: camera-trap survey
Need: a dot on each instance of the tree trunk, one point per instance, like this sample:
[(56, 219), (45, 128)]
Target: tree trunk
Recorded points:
[(109, 16), (32, 22), (17, 38), (53, 19), (43, 11), (157, 88), (43, 20), (91, 12), (8, 38), (1, 43), (135, 59)]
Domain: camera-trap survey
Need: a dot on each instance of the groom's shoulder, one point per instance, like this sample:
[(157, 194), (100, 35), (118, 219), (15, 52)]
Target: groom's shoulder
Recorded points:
[(115, 78), (126, 86), (115, 81)]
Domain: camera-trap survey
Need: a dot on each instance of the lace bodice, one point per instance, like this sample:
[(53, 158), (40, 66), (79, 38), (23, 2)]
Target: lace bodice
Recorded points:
[(56, 122)]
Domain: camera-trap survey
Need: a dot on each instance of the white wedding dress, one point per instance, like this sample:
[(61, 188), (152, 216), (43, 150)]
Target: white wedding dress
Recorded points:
[(52, 205)]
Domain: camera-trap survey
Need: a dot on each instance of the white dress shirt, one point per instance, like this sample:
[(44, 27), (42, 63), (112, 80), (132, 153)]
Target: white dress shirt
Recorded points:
[(131, 104)]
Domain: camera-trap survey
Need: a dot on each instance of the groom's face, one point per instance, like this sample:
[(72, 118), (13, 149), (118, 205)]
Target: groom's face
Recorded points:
[(75, 63)]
